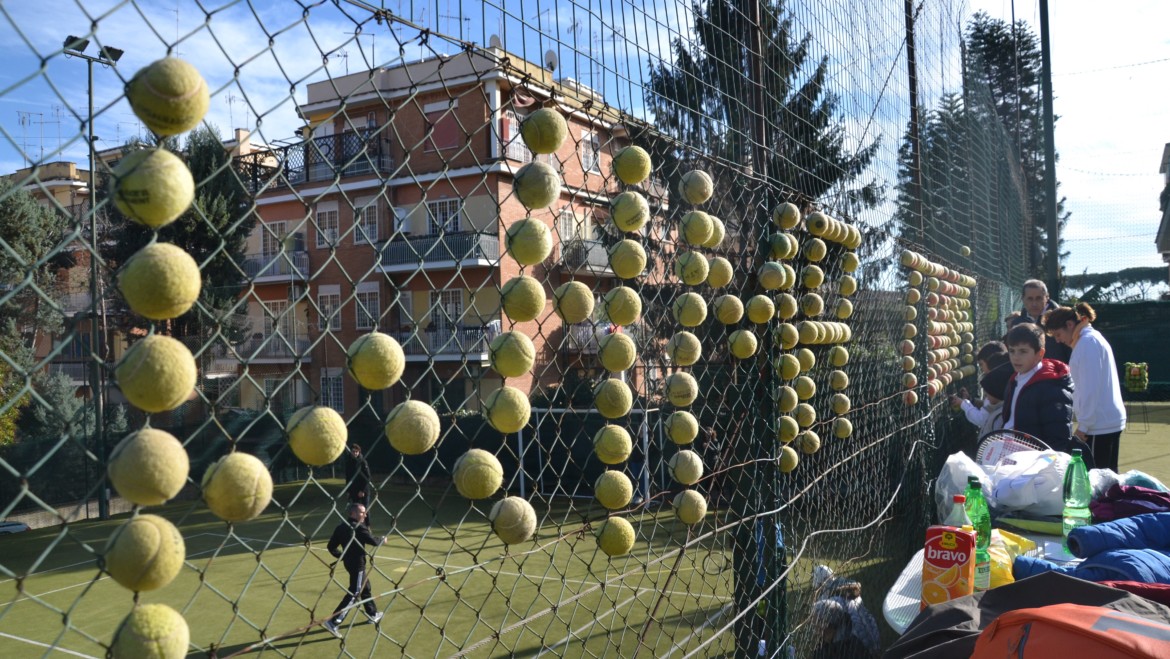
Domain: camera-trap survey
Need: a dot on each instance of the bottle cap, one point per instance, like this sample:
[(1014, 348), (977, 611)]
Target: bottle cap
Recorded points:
[(1076, 452), (968, 527), (960, 498), (972, 480)]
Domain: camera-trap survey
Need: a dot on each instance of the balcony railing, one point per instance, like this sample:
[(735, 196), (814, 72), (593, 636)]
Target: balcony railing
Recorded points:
[(274, 347), (78, 372), (443, 248), (587, 255), (288, 265), (349, 153), (447, 340)]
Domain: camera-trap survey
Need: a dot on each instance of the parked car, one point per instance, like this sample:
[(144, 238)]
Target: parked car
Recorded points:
[(12, 527)]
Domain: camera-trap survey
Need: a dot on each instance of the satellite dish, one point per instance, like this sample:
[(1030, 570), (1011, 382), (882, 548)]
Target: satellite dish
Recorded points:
[(494, 41), (550, 60)]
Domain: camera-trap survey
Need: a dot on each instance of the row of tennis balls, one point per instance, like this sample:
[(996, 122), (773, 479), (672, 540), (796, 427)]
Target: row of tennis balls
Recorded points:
[(787, 216), (545, 130)]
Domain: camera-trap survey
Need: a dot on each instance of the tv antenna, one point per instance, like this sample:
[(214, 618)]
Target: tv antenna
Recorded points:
[(357, 36)]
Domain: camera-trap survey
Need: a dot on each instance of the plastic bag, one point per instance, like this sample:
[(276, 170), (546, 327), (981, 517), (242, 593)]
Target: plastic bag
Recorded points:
[(1005, 547), (1031, 481), (952, 480), (1102, 480), (1142, 479)]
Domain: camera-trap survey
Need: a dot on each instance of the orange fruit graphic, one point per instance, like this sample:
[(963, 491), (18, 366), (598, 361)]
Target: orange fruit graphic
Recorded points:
[(934, 593)]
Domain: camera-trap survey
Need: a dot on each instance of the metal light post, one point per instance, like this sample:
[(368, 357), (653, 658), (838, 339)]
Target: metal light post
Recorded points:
[(107, 56)]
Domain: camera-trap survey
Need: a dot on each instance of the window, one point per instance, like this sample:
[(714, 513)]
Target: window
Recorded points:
[(574, 226), (368, 305), (446, 309), (328, 304), (443, 216), (442, 124), (332, 389), (590, 152), (277, 319), (405, 312), (328, 228), (272, 237), (514, 146), (366, 219), (279, 397)]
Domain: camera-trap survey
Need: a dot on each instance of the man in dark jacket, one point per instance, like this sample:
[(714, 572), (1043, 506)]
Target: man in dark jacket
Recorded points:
[(357, 477), (348, 543), (1038, 398), (1036, 304)]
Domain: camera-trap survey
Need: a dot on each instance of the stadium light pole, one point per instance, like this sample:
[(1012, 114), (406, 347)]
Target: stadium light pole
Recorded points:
[(107, 56)]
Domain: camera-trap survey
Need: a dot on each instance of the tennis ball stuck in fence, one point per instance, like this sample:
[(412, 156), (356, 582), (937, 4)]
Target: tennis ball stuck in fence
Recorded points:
[(718, 233), (787, 400), (681, 389), (786, 336), (529, 241), (169, 96), (812, 304), (850, 262), (846, 285), (843, 427), (965, 251), (682, 427), (696, 228), (513, 519), (544, 130), (522, 298), (237, 487), (375, 360), (843, 309), (632, 165), (786, 306), (696, 186), (787, 429), (623, 306), (160, 281), (148, 467), (808, 442), (807, 359), (152, 187), (613, 398), (805, 415), (719, 272), (838, 356), (684, 348), (156, 374), (805, 387), (615, 536), (477, 474), (573, 302), (412, 427), (629, 211), (151, 631), (616, 352), (511, 354), (760, 309), (537, 185), (815, 249), (508, 409), (690, 310), (838, 380), (728, 309), (612, 444), (840, 403), (613, 490), (691, 268), (771, 275), (317, 435), (788, 365), (742, 343), (145, 553), (690, 507), (788, 459), (786, 215), (627, 259), (811, 276)]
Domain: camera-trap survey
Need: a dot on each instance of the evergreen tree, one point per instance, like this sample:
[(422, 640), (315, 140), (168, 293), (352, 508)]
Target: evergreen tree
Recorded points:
[(34, 243)]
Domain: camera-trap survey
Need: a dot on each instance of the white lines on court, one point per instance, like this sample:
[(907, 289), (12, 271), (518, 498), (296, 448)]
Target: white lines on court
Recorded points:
[(46, 645)]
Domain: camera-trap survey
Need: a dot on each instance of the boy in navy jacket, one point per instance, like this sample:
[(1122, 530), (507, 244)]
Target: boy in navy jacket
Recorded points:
[(1038, 398)]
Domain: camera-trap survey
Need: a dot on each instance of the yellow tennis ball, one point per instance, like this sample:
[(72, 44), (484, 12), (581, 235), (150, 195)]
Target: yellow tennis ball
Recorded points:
[(718, 233), (682, 427), (853, 239), (786, 336), (840, 403), (760, 309), (691, 268), (522, 298), (788, 365), (156, 374), (511, 354), (843, 427), (537, 185), (160, 281), (788, 459), (681, 389), (152, 187), (787, 429), (786, 215), (808, 331), (789, 277), (811, 276), (815, 249), (145, 553), (908, 363), (843, 309), (965, 251), (787, 400), (612, 444), (616, 352), (847, 285), (375, 360), (148, 467), (169, 96), (839, 356), (623, 306), (615, 537), (805, 387), (544, 130), (850, 262), (696, 186), (838, 380), (627, 259), (728, 309), (613, 490), (508, 409), (632, 165), (529, 241), (805, 415), (237, 487), (477, 474), (613, 398), (690, 507), (684, 348), (690, 310), (719, 273), (696, 228), (317, 435), (686, 467), (778, 246), (151, 631), (573, 302), (808, 442), (914, 278), (629, 211), (771, 276), (742, 343), (513, 519), (412, 427), (812, 304), (818, 223), (786, 306), (806, 358)]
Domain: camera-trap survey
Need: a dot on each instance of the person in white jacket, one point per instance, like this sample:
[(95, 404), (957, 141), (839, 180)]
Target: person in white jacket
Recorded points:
[(987, 417), (1097, 403)]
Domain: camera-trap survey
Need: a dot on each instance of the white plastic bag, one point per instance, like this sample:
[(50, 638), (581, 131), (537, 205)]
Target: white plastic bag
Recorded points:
[(1031, 481), (952, 480)]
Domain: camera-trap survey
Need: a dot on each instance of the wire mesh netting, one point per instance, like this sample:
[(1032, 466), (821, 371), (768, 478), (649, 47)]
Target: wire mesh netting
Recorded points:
[(628, 324)]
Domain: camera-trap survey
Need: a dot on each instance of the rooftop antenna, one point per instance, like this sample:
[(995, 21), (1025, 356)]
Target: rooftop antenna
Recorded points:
[(341, 54), (26, 120), (176, 11), (357, 35)]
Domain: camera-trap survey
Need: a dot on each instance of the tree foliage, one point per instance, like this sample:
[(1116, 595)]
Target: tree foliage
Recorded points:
[(1130, 284)]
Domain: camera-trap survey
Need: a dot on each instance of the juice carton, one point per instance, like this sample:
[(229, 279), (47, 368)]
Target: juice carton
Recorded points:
[(948, 564)]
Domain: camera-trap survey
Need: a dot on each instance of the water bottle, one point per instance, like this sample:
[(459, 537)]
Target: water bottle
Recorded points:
[(1077, 493), (980, 516), (958, 517)]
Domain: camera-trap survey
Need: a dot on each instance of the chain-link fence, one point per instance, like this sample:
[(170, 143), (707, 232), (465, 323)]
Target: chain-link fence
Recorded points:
[(402, 173)]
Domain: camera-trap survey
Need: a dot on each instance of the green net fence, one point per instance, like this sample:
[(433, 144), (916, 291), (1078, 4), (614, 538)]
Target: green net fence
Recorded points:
[(602, 415)]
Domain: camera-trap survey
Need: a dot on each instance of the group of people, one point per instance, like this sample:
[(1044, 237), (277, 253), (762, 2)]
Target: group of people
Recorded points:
[(1052, 367)]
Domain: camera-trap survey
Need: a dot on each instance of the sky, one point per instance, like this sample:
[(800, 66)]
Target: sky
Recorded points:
[(1109, 69)]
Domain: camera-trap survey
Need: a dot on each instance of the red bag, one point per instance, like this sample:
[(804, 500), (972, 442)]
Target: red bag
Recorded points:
[(1072, 630)]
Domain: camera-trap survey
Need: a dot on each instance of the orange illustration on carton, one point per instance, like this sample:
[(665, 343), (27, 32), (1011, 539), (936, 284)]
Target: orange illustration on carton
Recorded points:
[(948, 564)]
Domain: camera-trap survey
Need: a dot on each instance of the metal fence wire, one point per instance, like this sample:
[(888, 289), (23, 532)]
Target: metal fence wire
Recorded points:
[(395, 169)]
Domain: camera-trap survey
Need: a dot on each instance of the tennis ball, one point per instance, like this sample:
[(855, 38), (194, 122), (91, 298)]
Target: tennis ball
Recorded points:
[(689, 310), (522, 298), (684, 348), (691, 268), (843, 427), (317, 435), (508, 409), (789, 277), (786, 306), (152, 187), (808, 442), (612, 444), (965, 251), (412, 427), (728, 309), (151, 631), (846, 285), (629, 211), (812, 304), (910, 398), (681, 389), (573, 302), (809, 332), (718, 233), (719, 272), (913, 296), (780, 245), (787, 429), (682, 427), (787, 399), (909, 380), (513, 519), (537, 185), (786, 215), (613, 490), (145, 553), (850, 262), (375, 360), (843, 309), (613, 398), (788, 459), (632, 165), (686, 467), (838, 356), (818, 223), (909, 313), (627, 259), (156, 374), (805, 415), (169, 96), (615, 536), (160, 281), (788, 365), (786, 336), (237, 487), (838, 380), (815, 250), (806, 358), (760, 309), (148, 467), (529, 241), (478, 474), (742, 343), (690, 507), (616, 352), (511, 354), (914, 278), (908, 363), (696, 186), (544, 130), (771, 276), (811, 276), (696, 228), (805, 387), (623, 305), (840, 403)]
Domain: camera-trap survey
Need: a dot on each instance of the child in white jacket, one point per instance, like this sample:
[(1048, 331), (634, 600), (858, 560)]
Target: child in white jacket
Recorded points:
[(988, 416)]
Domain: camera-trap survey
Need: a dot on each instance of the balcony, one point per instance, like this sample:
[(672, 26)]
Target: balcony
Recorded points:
[(279, 267), (349, 153), (589, 256), (441, 251), (274, 349), (77, 372), (448, 343), (583, 337)]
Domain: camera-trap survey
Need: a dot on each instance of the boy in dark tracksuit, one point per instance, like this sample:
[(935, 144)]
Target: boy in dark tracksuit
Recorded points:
[(348, 543), (1038, 398)]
